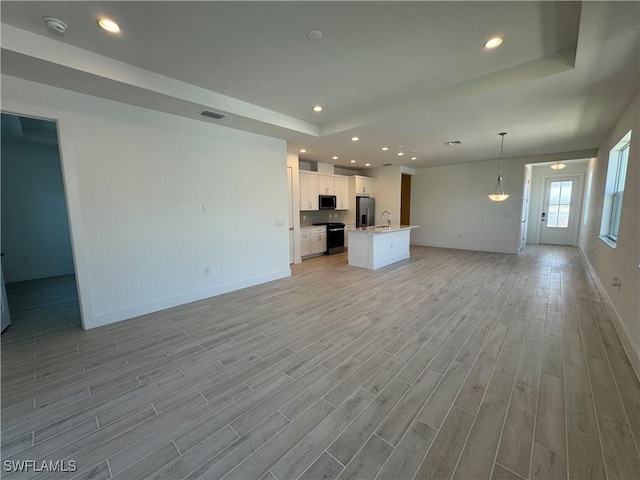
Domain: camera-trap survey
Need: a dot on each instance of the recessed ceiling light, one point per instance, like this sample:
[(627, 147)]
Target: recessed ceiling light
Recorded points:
[(414, 158), (454, 142), (314, 35), (493, 42), (355, 139), (367, 164), (400, 154), (303, 150), (353, 161), (334, 157), (385, 148), (399, 146), (317, 108), (109, 25)]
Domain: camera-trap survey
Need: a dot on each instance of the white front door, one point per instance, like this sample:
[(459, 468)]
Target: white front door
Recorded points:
[(561, 210), (4, 307)]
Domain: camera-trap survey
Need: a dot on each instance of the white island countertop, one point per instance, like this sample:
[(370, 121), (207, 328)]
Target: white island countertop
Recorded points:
[(378, 246), (384, 228)]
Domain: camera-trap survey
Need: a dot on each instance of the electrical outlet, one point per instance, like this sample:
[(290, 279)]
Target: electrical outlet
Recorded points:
[(206, 271), (182, 208), (202, 207)]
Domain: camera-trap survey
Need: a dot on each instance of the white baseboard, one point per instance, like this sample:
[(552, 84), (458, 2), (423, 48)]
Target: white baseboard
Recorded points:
[(632, 351), (107, 318)]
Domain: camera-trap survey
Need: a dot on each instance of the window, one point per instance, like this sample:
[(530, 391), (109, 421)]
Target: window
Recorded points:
[(614, 192), (559, 204), (587, 201)]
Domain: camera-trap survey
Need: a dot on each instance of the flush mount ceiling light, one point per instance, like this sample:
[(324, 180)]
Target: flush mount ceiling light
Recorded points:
[(414, 158), (303, 150), (353, 161), (498, 194), (367, 164), (317, 108), (108, 24), (334, 157), (355, 139), (54, 24), (400, 154), (558, 166), (385, 148), (314, 35), (493, 42)]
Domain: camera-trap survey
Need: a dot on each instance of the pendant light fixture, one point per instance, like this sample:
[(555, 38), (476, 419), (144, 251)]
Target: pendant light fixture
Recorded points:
[(558, 165), (498, 194)]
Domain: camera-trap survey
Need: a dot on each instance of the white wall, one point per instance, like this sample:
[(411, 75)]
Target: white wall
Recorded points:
[(35, 231), (538, 179), (387, 190), (451, 206), (621, 262), (126, 171)]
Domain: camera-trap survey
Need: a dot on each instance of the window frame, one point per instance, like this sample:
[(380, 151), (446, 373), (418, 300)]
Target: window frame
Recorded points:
[(614, 191)]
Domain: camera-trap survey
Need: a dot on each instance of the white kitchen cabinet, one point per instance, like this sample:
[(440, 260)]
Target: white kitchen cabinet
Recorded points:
[(326, 185), (364, 185), (342, 192), (318, 239), (305, 242), (308, 191)]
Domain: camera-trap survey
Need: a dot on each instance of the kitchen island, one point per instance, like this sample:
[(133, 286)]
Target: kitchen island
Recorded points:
[(375, 247)]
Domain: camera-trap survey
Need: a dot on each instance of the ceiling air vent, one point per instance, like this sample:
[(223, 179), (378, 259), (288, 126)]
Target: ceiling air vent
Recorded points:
[(387, 164), (212, 114)]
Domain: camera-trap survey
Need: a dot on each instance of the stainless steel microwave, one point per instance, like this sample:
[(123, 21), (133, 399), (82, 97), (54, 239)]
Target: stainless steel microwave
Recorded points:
[(327, 202)]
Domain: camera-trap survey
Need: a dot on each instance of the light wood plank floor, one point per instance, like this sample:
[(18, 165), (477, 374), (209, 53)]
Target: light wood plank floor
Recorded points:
[(451, 364)]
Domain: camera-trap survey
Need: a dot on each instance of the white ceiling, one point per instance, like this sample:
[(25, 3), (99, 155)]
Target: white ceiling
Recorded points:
[(393, 73)]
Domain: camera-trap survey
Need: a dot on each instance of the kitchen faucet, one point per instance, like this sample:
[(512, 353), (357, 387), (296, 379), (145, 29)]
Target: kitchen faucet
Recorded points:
[(388, 217)]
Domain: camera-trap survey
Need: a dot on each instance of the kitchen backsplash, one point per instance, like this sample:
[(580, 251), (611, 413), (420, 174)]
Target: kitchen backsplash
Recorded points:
[(309, 218)]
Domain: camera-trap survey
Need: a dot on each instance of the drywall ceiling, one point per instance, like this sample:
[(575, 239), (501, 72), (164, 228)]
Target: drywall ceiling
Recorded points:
[(392, 73)]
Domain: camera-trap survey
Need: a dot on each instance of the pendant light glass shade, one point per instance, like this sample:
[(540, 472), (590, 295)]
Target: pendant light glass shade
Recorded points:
[(558, 165), (498, 194)]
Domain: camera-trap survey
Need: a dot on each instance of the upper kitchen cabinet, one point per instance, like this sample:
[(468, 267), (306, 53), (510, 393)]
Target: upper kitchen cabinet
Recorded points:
[(362, 185), (308, 191), (342, 193), (326, 185)]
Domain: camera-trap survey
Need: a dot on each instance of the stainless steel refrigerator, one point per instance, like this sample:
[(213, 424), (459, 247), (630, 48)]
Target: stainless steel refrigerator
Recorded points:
[(365, 211)]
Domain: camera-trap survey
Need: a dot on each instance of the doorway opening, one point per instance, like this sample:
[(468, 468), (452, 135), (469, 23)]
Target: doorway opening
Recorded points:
[(556, 202), (37, 259), (405, 200)]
